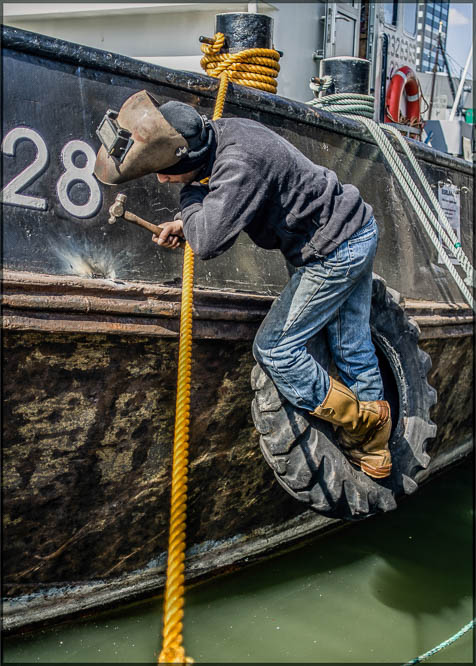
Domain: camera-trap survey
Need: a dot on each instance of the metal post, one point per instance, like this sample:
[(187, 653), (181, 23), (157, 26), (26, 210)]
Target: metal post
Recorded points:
[(461, 84), (435, 67), (383, 76), (349, 74), (445, 60), (243, 31)]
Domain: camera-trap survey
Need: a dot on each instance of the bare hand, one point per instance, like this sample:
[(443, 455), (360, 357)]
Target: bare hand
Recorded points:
[(171, 234)]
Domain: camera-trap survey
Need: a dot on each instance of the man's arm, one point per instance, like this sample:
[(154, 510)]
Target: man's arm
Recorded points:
[(212, 219)]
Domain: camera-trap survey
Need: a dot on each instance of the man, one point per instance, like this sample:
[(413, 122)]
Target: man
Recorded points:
[(259, 183)]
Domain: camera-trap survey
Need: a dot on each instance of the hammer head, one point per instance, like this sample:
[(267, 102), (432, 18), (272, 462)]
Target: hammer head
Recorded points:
[(118, 207)]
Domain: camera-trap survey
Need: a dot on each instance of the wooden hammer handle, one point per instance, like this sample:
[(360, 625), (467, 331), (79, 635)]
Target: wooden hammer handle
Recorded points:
[(153, 228)]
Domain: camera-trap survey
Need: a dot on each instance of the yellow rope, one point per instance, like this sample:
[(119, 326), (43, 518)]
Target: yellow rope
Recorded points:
[(221, 95), (257, 68), (231, 68), (172, 650)]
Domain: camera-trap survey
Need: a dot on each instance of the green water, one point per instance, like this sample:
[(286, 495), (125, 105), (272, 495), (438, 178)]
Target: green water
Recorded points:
[(383, 590)]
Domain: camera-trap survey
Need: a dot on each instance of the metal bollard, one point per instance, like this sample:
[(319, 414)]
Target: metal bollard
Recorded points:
[(349, 75), (245, 31)]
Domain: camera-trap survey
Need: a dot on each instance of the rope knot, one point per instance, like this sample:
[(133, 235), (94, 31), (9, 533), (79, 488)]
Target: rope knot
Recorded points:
[(216, 46), (317, 85), (255, 68)]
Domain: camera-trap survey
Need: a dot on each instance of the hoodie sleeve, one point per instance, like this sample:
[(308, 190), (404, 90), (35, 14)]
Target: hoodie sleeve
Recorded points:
[(213, 217)]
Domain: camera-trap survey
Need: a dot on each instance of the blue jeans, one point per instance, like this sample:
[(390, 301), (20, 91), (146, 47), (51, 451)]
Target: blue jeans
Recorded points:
[(333, 293)]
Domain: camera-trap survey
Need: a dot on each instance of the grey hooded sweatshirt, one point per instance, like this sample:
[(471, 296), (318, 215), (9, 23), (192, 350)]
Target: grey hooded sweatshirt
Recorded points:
[(261, 184)]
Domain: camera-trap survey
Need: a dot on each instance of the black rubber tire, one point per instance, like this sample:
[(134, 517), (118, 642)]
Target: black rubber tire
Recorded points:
[(301, 449)]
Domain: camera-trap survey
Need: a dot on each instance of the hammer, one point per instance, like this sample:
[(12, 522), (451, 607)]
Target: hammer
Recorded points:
[(118, 210)]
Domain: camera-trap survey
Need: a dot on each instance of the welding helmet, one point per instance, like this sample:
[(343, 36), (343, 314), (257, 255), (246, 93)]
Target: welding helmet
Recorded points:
[(146, 137)]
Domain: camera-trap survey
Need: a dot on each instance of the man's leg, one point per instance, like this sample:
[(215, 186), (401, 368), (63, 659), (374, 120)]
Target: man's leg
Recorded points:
[(351, 344), (309, 301), (361, 414)]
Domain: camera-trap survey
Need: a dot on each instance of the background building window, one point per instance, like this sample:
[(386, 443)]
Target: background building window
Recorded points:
[(409, 17), (390, 10)]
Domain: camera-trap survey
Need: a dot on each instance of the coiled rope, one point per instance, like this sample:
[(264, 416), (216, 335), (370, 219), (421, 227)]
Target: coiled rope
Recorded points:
[(240, 68), (256, 68), (426, 216), (443, 645), (363, 105)]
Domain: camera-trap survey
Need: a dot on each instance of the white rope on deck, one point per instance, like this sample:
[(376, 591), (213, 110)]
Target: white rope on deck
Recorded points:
[(427, 217), (419, 204)]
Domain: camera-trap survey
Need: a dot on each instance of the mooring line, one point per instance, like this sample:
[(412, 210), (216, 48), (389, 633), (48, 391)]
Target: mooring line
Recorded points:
[(442, 645), (246, 68)]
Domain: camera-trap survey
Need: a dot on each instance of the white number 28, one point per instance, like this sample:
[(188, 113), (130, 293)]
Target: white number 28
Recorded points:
[(11, 192)]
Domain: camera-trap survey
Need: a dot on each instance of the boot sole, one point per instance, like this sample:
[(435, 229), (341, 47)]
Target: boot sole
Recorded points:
[(381, 472)]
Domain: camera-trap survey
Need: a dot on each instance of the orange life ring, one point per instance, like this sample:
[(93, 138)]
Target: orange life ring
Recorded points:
[(404, 81)]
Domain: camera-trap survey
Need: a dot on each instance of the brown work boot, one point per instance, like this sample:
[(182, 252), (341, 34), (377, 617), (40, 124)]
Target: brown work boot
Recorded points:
[(364, 428)]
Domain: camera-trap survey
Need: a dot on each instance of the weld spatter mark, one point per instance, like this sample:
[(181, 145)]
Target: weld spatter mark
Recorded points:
[(89, 261)]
